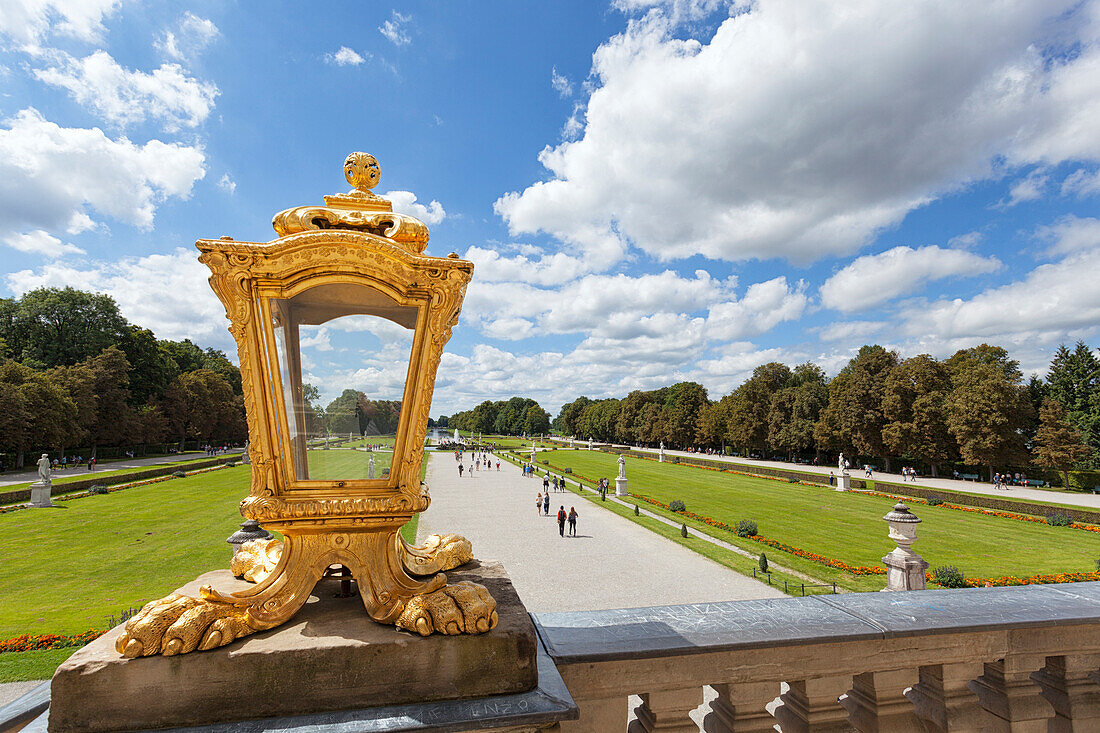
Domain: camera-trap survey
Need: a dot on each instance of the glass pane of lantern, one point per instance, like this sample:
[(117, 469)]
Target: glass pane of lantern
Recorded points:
[(344, 353)]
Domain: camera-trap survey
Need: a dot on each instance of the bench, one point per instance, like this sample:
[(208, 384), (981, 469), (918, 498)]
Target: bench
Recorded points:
[(969, 476), (1095, 489), (1035, 482)]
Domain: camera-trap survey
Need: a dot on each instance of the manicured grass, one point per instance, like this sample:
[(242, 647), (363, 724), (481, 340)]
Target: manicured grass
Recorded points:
[(40, 665), (848, 526), (345, 463), (66, 570)]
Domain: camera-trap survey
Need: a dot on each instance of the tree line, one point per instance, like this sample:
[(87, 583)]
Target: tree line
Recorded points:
[(516, 416), (973, 409), (74, 373)]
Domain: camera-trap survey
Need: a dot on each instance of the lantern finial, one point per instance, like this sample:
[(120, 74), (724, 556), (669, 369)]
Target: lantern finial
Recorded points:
[(362, 171)]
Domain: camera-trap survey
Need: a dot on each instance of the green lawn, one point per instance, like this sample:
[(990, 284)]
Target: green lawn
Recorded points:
[(847, 526), (67, 570), (345, 463)]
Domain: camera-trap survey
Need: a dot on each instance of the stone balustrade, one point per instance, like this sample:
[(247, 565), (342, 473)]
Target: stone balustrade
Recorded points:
[(986, 659), (1023, 659)]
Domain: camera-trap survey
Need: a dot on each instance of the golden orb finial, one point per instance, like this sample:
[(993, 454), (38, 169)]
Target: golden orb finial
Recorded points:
[(362, 171)]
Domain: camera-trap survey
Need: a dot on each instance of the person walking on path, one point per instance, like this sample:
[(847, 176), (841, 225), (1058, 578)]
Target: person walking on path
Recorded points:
[(538, 504), (545, 483), (572, 522), (546, 504), (561, 520), (461, 468)]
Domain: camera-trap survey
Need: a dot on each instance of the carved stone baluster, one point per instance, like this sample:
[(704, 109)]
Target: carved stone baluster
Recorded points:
[(811, 706), (606, 715), (1007, 691), (877, 704), (943, 699), (740, 708), (668, 711), (1070, 685)]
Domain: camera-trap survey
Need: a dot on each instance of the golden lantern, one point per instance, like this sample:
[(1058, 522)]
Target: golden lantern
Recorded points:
[(351, 264)]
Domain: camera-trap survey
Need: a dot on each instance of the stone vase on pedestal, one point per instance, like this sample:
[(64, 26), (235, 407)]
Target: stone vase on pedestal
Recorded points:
[(904, 568)]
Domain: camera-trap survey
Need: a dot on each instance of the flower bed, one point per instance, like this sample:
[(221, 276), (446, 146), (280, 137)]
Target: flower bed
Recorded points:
[(41, 642), (1042, 579), (988, 512)]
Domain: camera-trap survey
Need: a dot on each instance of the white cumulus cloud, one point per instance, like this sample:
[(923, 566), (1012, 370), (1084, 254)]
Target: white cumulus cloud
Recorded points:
[(42, 243), (801, 130), (123, 97), (872, 280), (188, 39), (52, 177), (395, 30), (345, 57), (29, 21), (404, 202), (167, 293)]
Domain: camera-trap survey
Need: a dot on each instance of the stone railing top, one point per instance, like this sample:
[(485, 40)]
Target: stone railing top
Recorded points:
[(587, 636)]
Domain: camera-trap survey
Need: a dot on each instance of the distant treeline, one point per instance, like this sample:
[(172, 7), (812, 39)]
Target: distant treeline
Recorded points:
[(516, 416), (973, 409), (75, 374)]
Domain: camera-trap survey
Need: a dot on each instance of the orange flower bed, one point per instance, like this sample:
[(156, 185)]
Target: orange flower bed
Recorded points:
[(39, 642), (1041, 579)]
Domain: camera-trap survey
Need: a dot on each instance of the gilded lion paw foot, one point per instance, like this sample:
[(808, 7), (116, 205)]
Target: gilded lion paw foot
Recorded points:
[(462, 608), (439, 552), (256, 559), (180, 624)]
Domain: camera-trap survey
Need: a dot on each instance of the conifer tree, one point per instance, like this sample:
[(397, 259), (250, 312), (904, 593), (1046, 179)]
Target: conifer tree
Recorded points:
[(1058, 444)]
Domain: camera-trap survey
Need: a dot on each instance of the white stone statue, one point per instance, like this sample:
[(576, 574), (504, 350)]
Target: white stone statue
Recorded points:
[(841, 465), (622, 466), (370, 467), (44, 469)]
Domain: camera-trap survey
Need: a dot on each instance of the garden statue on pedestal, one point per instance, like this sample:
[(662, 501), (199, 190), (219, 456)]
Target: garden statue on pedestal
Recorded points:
[(42, 489), (370, 467), (620, 480), (661, 453)]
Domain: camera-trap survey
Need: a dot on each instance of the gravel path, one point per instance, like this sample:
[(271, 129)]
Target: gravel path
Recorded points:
[(611, 563)]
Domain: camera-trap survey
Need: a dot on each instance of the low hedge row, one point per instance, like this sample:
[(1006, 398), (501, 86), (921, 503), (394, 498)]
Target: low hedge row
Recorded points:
[(10, 497), (807, 476), (1087, 516)]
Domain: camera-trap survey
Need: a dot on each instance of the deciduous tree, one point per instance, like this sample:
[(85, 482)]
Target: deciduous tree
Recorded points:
[(1058, 445)]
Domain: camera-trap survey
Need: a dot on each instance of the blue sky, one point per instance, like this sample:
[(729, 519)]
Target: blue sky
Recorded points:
[(651, 191)]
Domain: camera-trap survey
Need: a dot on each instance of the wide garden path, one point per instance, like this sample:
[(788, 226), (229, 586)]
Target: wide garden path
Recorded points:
[(1091, 501), (611, 563), (31, 474)]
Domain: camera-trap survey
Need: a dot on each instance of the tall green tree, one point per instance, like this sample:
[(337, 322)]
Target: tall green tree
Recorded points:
[(680, 412), (536, 420), (37, 412), (988, 409), (570, 414), (853, 419), (1058, 445), (1073, 380), (796, 408), (750, 404), (62, 326), (914, 405)]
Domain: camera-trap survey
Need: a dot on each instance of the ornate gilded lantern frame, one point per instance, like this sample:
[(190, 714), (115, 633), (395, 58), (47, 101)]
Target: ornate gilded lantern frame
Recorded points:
[(353, 242)]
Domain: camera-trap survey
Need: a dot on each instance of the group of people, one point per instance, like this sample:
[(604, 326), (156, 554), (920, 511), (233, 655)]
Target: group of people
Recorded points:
[(908, 473), (215, 450), (72, 461), (477, 461), (548, 481), (542, 508), (1005, 480)]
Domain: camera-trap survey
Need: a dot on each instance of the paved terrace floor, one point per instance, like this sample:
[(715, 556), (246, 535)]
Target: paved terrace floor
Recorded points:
[(1091, 501), (611, 563)]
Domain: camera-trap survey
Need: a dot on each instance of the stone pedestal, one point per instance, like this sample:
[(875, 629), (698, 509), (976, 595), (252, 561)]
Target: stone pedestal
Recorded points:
[(41, 491), (843, 482), (331, 656), (620, 487), (904, 568)]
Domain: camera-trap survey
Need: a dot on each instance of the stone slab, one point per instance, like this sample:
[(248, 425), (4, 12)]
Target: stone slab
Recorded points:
[(590, 636), (940, 611), (544, 706), (329, 657)]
